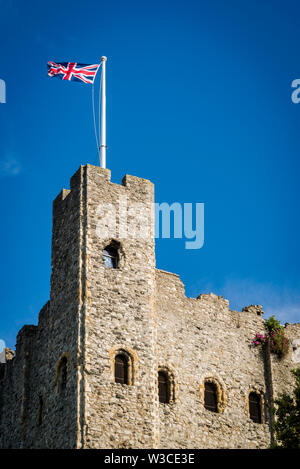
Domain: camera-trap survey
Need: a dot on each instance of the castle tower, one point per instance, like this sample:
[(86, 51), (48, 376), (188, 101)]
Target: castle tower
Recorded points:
[(121, 358), (102, 307)]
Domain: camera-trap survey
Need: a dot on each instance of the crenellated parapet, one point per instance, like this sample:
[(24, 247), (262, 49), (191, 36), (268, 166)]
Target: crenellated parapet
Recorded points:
[(121, 357), (256, 309)]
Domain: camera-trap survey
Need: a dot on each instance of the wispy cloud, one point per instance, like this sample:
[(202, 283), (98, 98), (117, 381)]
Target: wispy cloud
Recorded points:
[(280, 300), (9, 166)]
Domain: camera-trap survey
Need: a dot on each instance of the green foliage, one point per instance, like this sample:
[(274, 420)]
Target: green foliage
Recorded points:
[(287, 414), (279, 343), (273, 324)]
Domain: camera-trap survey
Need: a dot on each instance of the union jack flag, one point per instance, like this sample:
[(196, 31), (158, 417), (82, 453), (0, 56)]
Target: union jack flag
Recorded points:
[(73, 71)]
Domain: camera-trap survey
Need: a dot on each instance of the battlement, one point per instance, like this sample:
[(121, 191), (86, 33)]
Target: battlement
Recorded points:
[(257, 309), (89, 174), (62, 391), (213, 298), (173, 283)]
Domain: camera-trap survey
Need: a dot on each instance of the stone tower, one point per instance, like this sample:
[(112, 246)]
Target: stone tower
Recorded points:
[(60, 390)]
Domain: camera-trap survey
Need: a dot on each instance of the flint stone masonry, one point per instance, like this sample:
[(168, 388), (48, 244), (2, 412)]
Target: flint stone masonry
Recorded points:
[(95, 312)]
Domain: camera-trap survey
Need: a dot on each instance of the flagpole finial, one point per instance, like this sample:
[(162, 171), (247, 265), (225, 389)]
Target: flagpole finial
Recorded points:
[(103, 58)]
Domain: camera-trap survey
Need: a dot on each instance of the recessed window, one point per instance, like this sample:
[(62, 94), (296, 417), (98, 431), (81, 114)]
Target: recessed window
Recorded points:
[(211, 396), (255, 407), (163, 387), (121, 369), (62, 374), (110, 257)]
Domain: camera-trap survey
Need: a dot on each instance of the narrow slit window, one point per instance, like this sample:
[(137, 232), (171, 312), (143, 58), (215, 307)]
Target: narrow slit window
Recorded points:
[(62, 374), (211, 397), (163, 387), (110, 257), (121, 369), (255, 407)]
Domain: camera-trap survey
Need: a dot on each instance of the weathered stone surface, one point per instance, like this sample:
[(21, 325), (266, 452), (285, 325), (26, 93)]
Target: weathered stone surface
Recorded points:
[(94, 312)]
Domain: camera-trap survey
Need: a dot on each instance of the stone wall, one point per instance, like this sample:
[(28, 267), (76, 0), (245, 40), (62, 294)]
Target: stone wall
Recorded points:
[(95, 312), (282, 379), (202, 339), (119, 315)]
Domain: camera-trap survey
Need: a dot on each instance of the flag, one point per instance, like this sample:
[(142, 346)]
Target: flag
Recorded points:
[(73, 71)]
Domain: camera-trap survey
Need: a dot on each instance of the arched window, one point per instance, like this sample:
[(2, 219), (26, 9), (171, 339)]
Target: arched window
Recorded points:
[(121, 369), (62, 374), (163, 387), (211, 396), (110, 257), (255, 407)]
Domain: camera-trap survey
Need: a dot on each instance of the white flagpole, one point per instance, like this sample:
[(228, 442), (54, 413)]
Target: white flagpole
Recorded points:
[(103, 116)]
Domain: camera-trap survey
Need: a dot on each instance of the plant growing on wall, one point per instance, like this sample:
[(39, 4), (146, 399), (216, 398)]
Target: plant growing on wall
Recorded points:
[(275, 336), (259, 339)]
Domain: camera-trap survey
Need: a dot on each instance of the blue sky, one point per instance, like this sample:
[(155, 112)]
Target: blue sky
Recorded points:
[(198, 101)]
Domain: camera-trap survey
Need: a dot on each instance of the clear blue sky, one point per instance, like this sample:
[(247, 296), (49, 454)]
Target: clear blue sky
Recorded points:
[(199, 102)]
